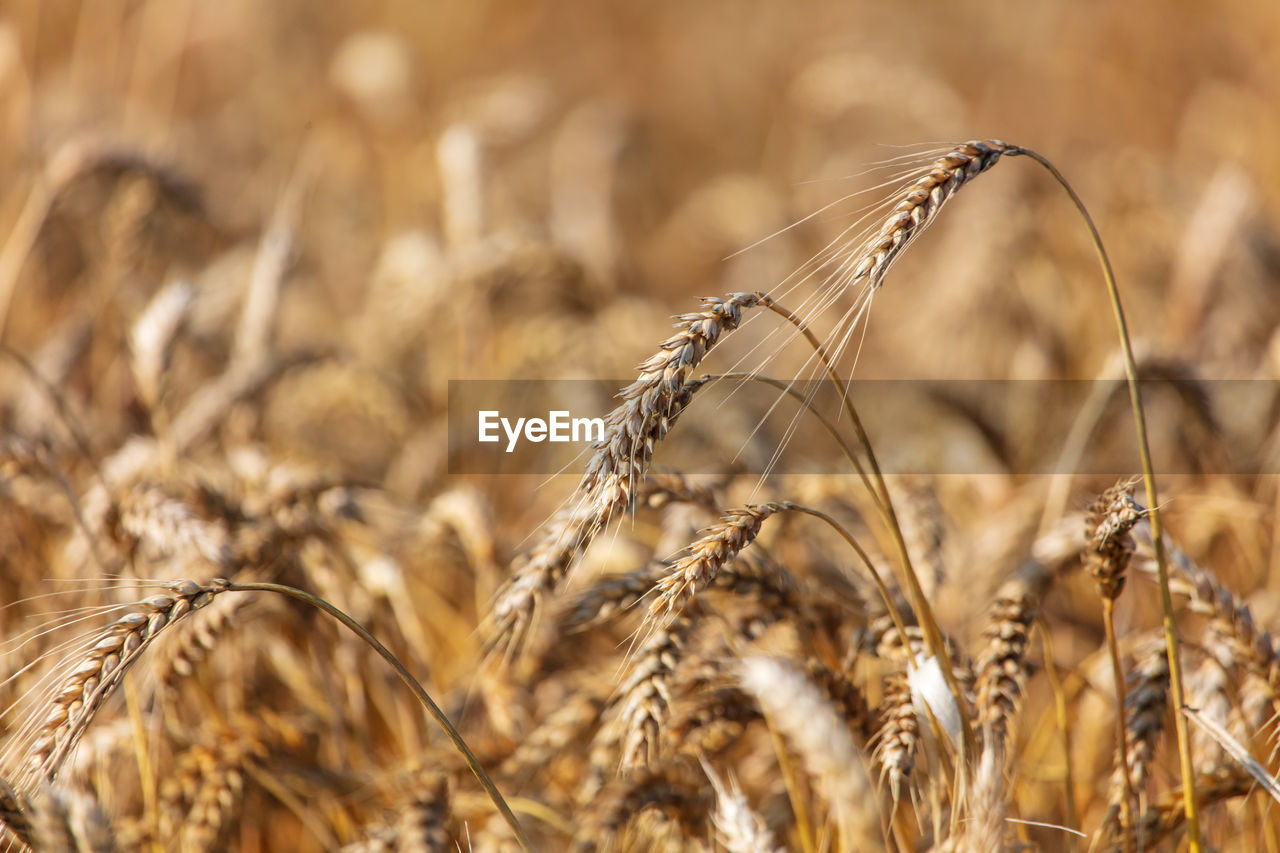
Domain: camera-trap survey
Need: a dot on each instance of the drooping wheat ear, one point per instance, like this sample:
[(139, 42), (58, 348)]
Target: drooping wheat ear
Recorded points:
[(738, 827), (1209, 688), (70, 821), (924, 526), (423, 819), (773, 592), (714, 723), (612, 596), (196, 639), (1001, 676), (91, 680), (1147, 702), (1231, 617), (899, 733), (645, 697), (661, 489), (885, 638), (562, 729), (806, 718), (160, 525), (15, 813), (204, 789), (919, 206), (667, 794), (846, 697), (618, 465), (1109, 530), (698, 568), (152, 336)]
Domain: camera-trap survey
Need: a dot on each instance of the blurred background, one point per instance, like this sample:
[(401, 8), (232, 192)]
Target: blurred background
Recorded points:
[(286, 226), (510, 189)]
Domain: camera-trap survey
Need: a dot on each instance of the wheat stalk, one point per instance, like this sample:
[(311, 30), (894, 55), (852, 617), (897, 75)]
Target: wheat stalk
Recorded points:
[(1108, 528)]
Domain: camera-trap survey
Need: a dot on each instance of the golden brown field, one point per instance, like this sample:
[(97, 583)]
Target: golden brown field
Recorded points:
[(245, 247)]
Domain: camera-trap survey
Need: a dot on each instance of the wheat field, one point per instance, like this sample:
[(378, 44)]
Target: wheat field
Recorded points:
[(259, 590)]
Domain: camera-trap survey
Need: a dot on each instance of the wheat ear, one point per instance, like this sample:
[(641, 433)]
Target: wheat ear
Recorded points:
[(809, 721), (618, 464), (92, 680), (1001, 676), (738, 827), (1109, 529), (719, 544), (920, 204)]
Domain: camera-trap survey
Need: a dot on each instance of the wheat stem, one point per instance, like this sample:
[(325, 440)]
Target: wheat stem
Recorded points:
[(1149, 481), (1064, 725), (412, 683), (919, 602), (789, 389), (1128, 799)]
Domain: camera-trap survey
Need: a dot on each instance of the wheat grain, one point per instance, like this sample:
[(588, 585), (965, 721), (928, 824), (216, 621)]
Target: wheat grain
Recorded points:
[(1001, 677), (896, 740), (619, 463), (90, 680), (698, 568)]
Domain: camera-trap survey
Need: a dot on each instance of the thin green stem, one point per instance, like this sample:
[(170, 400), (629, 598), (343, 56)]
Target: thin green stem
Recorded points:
[(412, 683), (1149, 481)]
